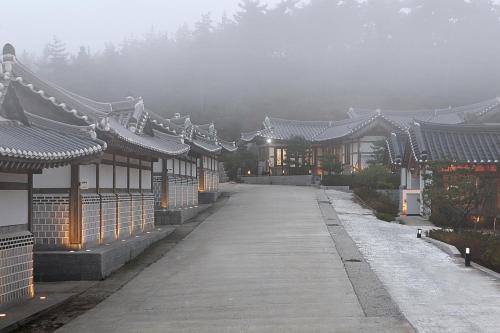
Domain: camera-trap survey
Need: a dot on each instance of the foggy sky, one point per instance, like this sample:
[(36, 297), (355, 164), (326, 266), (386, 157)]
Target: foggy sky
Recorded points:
[(29, 24)]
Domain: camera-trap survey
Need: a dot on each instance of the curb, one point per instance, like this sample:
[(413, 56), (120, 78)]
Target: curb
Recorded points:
[(445, 247), (453, 252)]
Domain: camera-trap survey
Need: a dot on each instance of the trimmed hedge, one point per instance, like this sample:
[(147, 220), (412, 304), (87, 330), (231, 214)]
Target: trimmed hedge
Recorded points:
[(386, 210), (485, 249), (387, 181)]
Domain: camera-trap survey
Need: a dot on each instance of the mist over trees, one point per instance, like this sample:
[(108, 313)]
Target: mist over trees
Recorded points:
[(303, 61)]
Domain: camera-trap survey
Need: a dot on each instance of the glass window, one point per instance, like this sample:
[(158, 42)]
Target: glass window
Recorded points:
[(271, 157)]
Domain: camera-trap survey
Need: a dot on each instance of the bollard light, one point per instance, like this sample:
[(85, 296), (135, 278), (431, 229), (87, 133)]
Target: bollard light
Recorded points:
[(419, 233), (467, 257)]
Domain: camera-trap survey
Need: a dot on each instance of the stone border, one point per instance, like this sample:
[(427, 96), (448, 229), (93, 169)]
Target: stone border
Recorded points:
[(453, 252), (445, 247), (370, 291)]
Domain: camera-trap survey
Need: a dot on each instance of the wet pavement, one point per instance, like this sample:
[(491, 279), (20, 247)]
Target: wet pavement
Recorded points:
[(265, 262), (434, 292)]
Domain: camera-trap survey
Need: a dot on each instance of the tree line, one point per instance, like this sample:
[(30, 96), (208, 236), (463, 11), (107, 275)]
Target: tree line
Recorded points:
[(295, 60)]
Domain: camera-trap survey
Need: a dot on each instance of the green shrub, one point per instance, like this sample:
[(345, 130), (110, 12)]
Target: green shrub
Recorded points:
[(379, 202), (485, 249), (385, 216)]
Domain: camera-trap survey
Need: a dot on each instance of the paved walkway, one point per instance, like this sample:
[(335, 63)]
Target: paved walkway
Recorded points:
[(435, 293), (265, 262)]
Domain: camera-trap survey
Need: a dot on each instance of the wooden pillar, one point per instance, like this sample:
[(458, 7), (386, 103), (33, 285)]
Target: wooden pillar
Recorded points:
[(30, 201), (164, 184), (75, 222)]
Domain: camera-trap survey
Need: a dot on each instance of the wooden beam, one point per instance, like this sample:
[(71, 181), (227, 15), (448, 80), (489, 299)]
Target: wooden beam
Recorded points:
[(75, 223)]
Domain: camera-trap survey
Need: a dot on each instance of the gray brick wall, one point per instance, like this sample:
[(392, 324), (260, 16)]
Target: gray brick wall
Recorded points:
[(50, 220), (91, 219), (124, 215), (136, 207), (108, 217), (148, 211), (16, 266)]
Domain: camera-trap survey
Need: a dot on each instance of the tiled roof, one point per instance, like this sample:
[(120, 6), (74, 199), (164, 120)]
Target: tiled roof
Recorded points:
[(450, 115), (203, 137), (229, 146), (46, 144), (283, 129), (396, 143), (160, 143), (455, 143), (123, 119)]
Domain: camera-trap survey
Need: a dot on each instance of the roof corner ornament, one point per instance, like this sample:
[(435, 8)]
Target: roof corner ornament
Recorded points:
[(177, 115), (104, 124), (9, 56), (379, 112), (267, 122)]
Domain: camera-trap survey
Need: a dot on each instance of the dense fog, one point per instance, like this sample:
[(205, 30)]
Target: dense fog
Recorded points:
[(296, 60)]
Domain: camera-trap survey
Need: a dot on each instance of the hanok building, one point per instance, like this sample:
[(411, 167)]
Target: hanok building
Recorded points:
[(182, 183), (468, 146), (350, 140), (86, 203), (28, 145)]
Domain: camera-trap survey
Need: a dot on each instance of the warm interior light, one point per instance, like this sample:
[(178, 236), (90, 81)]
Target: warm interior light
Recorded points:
[(269, 141), (249, 172)]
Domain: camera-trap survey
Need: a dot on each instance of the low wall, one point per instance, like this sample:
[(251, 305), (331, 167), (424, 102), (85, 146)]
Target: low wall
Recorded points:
[(305, 180)]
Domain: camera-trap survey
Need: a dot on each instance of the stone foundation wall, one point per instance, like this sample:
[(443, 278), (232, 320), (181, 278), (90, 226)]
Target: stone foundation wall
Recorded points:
[(136, 215), (148, 211), (50, 220), (108, 217), (124, 208), (16, 266), (91, 219)]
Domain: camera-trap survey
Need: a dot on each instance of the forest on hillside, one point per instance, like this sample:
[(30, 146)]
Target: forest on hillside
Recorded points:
[(298, 60)]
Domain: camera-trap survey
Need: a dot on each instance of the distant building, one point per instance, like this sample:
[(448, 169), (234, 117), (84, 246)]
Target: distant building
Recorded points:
[(350, 141)]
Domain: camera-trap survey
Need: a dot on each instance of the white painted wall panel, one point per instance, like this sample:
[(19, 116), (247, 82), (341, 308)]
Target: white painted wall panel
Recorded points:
[(53, 178), (105, 176), (134, 178), (88, 175), (158, 166), (146, 179), (13, 207), (121, 177)]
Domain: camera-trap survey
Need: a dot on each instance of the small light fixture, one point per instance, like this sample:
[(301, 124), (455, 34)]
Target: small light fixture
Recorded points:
[(43, 298), (123, 240), (249, 172), (419, 233), (3, 315), (269, 141), (88, 250)]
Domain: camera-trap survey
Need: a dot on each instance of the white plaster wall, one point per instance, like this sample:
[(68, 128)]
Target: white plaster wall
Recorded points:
[(170, 166), (105, 176), (88, 175), (53, 178), (13, 207), (121, 177), (183, 168), (146, 179), (13, 177), (158, 166), (134, 178)]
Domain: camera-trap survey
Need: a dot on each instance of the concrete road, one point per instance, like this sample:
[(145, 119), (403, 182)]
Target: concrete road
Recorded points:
[(265, 262)]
